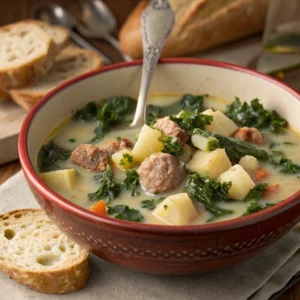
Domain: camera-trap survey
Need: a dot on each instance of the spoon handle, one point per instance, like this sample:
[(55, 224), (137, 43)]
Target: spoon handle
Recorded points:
[(83, 43), (157, 21)]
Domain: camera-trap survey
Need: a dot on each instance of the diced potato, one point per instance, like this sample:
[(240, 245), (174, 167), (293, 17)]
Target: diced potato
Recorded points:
[(123, 159), (147, 143), (211, 163), (205, 143), (60, 180), (249, 163), (187, 153), (240, 180), (176, 210), (220, 124)]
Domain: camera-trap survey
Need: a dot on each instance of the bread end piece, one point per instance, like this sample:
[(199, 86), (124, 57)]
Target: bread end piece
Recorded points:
[(69, 274)]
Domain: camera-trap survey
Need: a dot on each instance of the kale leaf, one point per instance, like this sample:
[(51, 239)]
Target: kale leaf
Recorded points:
[(86, 114), (255, 207), (151, 203), (254, 115), (278, 158), (190, 120), (171, 145), (49, 155), (257, 192), (131, 182), (108, 188), (123, 212), (153, 114), (191, 102), (208, 192)]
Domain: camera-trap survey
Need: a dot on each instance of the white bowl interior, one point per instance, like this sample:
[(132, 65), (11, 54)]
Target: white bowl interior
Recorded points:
[(168, 78)]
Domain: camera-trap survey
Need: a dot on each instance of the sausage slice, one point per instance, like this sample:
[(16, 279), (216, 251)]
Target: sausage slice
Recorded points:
[(247, 134)]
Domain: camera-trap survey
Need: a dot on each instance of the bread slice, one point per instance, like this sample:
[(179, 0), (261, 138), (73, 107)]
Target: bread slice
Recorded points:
[(200, 24), (35, 253), (26, 53), (70, 62)]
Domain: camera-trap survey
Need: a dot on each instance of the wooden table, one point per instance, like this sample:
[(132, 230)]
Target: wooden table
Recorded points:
[(15, 10)]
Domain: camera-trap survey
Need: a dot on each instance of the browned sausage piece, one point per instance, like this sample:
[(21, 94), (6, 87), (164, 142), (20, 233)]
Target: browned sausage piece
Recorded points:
[(247, 134), (161, 172), (119, 145), (170, 128), (90, 157)]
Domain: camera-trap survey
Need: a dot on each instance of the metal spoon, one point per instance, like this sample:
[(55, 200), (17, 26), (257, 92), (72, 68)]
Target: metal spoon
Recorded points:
[(99, 22), (157, 21), (55, 14)]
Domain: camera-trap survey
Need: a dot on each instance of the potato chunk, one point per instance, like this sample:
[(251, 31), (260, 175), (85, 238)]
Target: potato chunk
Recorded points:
[(123, 159), (205, 143), (176, 210), (220, 124), (240, 180), (213, 163), (249, 163), (147, 143), (60, 180)]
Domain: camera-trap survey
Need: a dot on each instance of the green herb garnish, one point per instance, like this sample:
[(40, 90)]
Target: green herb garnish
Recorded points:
[(123, 212), (131, 182), (49, 155), (257, 192), (151, 203), (171, 145), (127, 159), (255, 207), (87, 114), (72, 140)]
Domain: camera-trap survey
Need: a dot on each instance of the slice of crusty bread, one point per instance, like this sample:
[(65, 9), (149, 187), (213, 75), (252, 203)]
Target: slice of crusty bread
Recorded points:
[(199, 25), (26, 53), (70, 62), (35, 253)]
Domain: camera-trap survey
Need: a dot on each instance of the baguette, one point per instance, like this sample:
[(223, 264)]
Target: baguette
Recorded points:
[(26, 53), (200, 24), (70, 62), (35, 253)]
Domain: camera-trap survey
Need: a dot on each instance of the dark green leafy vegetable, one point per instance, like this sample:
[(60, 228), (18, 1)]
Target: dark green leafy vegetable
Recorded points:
[(289, 143), (49, 155), (87, 114), (191, 102), (127, 159), (108, 188), (153, 113), (151, 203), (72, 140), (123, 212), (171, 145), (236, 149), (257, 192), (254, 115), (278, 158), (131, 182), (112, 112), (255, 207), (190, 120), (208, 192)]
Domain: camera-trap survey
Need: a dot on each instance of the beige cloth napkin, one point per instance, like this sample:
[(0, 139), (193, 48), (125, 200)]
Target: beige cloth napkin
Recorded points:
[(258, 278)]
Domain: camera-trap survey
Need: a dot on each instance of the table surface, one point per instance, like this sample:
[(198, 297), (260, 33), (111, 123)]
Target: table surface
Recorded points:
[(19, 10)]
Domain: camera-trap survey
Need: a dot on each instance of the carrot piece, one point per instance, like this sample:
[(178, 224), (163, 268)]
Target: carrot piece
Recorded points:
[(260, 174), (99, 207), (270, 189)]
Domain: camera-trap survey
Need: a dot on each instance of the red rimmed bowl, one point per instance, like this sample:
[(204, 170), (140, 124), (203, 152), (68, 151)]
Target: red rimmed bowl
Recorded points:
[(155, 248)]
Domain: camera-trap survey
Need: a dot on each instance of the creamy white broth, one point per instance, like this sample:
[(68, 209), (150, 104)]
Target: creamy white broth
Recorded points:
[(83, 132)]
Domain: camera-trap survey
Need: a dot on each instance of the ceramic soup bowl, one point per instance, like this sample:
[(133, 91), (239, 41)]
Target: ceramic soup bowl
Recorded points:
[(156, 248)]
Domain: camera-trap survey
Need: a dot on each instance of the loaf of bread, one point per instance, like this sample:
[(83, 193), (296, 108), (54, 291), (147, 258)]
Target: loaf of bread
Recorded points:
[(199, 25), (70, 62), (35, 253)]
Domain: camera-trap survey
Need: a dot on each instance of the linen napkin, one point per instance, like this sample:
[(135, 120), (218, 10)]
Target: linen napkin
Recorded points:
[(256, 279)]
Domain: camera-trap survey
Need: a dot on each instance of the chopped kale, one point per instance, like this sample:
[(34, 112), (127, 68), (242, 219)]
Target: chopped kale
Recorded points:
[(108, 188), (208, 192), (273, 145), (257, 192), (278, 158), (153, 113), (131, 182), (190, 120), (123, 212), (191, 102), (72, 140), (49, 155), (127, 159), (289, 143), (87, 114), (151, 203), (254, 115), (255, 207), (165, 207), (171, 145)]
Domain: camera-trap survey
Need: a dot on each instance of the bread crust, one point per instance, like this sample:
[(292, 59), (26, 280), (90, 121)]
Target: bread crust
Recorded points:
[(194, 32), (52, 281)]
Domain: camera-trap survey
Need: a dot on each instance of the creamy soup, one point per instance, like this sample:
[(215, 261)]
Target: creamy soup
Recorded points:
[(211, 160)]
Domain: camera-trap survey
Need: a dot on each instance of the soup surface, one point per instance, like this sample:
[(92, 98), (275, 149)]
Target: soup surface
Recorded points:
[(211, 160)]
